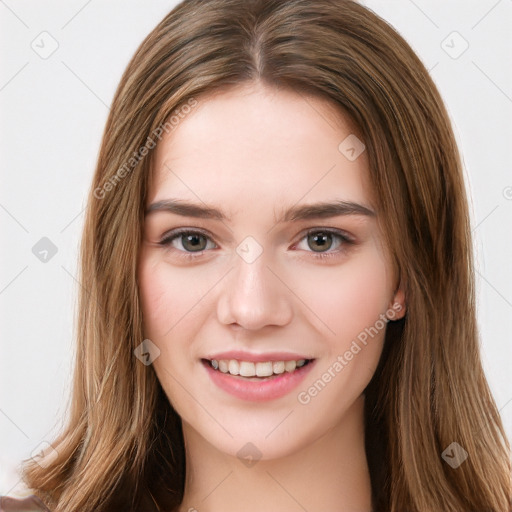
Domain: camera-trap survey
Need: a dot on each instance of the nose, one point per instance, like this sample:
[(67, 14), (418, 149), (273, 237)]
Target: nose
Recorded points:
[(253, 297)]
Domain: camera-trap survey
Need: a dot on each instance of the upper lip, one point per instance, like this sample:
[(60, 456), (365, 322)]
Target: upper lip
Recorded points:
[(241, 355)]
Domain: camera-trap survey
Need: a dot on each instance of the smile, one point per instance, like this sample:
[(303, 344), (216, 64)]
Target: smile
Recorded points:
[(259, 369), (257, 381)]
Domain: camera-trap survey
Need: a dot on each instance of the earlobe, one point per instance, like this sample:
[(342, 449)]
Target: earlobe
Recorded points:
[(397, 307)]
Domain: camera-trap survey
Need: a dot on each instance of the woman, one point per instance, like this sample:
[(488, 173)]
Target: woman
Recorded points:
[(277, 307)]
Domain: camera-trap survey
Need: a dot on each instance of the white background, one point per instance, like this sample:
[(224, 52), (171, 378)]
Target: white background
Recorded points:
[(52, 116)]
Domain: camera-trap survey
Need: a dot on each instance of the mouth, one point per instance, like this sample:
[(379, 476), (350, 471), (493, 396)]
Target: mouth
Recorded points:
[(255, 371), (257, 381)]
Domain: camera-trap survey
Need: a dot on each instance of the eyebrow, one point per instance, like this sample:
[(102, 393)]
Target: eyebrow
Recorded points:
[(298, 212)]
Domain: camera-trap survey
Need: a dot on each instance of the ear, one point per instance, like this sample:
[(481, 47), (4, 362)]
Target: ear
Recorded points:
[(397, 306)]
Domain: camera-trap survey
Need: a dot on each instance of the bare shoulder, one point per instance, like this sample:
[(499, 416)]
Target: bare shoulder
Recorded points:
[(29, 504)]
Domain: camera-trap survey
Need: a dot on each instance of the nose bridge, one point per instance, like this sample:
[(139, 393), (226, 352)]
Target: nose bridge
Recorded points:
[(253, 297)]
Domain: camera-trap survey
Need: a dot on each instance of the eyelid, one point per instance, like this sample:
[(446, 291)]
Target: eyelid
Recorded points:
[(346, 242), (173, 234), (347, 238)]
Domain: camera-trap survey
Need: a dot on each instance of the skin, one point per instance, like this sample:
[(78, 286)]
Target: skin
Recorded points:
[(254, 151)]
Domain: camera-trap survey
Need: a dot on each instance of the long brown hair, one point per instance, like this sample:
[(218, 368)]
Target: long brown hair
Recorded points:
[(123, 441)]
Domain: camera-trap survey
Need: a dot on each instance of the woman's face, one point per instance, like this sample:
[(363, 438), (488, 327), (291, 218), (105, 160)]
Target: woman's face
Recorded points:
[(261, 250)]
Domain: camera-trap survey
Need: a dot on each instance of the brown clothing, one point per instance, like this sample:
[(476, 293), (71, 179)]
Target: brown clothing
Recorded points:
[(29, 504)]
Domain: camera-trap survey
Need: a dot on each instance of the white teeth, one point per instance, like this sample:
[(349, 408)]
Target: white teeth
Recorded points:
[(247, 369), (261, 369), (278, 366), (289, 366), (234, 367), (264, 369)]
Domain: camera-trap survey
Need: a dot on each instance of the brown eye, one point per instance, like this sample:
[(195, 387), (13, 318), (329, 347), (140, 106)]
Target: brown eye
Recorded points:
[(320, 241), (193, 242), (323, 243), (187, 241)]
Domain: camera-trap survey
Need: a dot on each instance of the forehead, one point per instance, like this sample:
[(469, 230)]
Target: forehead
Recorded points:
[(258, 142)]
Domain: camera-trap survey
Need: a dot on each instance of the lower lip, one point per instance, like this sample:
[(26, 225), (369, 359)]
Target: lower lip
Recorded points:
[(258, 390)]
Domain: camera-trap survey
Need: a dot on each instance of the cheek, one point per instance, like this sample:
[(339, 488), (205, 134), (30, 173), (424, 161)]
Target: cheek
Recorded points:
[(348, 298), (171, 297), (153, 299), (157, 301), (350, 301)]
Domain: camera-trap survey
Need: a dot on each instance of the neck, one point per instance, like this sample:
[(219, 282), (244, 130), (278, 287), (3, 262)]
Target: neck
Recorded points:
[(330, 473)]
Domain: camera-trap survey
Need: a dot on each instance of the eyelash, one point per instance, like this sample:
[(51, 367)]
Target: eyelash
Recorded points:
[(345, 241)]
